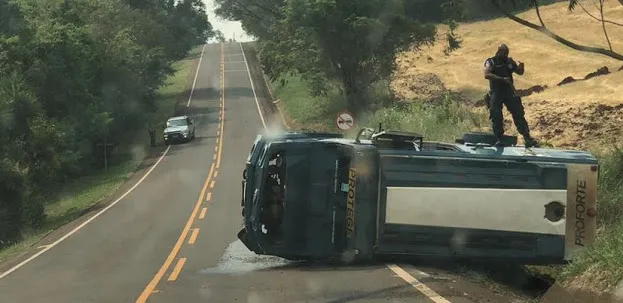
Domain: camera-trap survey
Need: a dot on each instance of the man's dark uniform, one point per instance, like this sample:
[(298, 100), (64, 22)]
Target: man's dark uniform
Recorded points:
[(503, 93)]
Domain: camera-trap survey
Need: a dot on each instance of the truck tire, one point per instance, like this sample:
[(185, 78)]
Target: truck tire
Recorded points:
[(488, 138)]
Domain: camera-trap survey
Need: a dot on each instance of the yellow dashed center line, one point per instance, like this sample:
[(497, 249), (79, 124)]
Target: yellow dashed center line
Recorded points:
[(177, 269), (151, 287), (222, 117), (193, 236)]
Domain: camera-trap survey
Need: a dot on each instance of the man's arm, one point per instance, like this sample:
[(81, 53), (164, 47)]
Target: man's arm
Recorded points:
[(488, 72), (517, 68)]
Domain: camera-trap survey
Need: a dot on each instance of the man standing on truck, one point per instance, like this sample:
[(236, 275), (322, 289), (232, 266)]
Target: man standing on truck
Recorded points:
[(499, 71)]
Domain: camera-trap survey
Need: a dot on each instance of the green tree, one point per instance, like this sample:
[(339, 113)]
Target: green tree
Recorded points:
[(218, 35), (356, 41), (351, 42), (257, 17), (73, 73)]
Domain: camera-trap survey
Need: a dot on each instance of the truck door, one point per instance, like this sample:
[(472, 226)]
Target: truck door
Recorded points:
[(356, 205), (304, 221)]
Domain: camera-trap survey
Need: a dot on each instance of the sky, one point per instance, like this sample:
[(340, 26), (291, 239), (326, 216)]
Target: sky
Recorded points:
[(230, 29)]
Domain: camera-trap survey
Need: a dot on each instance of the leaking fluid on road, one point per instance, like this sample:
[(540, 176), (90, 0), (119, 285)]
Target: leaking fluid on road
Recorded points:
[(237, 260)]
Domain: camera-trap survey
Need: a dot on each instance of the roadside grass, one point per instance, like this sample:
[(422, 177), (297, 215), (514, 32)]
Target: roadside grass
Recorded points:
[(599, 268), (444, 120), (441, 121), (304, 111), (77, 196)]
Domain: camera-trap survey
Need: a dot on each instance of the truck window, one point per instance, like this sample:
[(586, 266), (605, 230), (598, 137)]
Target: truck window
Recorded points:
[(273, 197), (260, 159), (343, 165), (257, 139)]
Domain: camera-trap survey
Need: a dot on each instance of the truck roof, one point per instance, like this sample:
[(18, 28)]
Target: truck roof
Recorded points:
[(483, 151), (447, 149), (177, 118)]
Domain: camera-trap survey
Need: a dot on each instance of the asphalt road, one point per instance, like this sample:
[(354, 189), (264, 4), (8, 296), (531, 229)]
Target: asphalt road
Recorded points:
[(173, 237)]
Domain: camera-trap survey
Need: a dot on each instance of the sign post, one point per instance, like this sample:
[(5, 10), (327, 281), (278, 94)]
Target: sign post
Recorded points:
[(344, 121)]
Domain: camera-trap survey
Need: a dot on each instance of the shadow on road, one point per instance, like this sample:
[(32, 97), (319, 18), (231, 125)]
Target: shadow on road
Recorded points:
[(383, 294), (513, 276)]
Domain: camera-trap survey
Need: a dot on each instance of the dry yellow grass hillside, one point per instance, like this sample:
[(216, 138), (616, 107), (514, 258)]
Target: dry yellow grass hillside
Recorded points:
[(575, 115)]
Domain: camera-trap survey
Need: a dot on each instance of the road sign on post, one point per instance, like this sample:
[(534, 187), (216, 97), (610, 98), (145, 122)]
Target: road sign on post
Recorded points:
[(344, 120)]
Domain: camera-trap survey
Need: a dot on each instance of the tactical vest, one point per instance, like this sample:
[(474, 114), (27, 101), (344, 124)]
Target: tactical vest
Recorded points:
[(501, 68)]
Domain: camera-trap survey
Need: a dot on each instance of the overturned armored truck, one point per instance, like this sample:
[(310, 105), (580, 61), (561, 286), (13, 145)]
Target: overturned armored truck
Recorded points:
[(384, 193)]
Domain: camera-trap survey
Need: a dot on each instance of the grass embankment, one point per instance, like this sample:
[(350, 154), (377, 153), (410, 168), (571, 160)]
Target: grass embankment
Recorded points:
[(445, 120), (601, 268), (581, 114), (82, 194)]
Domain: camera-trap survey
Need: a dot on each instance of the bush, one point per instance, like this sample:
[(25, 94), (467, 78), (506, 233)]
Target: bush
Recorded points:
[(443, 121)]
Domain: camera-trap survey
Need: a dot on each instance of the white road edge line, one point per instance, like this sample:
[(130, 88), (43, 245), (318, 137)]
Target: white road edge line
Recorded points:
[(73, 231), (395, 268), (252, 86), (190, 97)]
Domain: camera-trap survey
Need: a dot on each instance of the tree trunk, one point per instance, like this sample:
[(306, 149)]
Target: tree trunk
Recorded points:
[(356, 101), (356, 97)]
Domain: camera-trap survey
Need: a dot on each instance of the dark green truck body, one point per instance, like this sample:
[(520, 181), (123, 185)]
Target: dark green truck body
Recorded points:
[(391, 195)]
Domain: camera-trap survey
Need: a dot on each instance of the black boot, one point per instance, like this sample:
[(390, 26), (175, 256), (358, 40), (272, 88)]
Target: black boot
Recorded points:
[(530, 142)]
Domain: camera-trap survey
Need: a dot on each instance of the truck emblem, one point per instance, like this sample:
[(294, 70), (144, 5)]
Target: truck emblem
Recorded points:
[(350, 204)]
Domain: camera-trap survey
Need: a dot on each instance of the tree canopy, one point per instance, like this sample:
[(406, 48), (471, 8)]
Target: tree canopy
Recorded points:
[(74, 74), (350, 42)]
